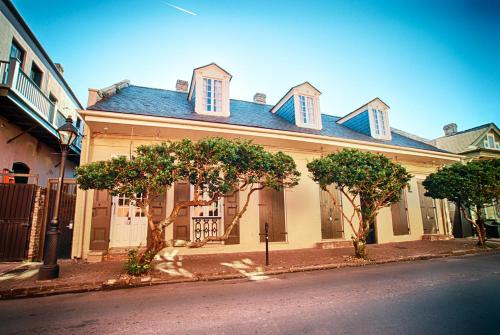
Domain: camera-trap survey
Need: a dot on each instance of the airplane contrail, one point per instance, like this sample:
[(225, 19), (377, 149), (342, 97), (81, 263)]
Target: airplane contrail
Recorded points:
[(181, 9)]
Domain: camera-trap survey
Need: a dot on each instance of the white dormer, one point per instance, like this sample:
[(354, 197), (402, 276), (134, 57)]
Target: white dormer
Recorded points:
[(209, 90), (371, 119), (300, 106)]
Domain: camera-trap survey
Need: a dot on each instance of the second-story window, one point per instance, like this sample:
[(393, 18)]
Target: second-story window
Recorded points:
[(36, 74), (17, 52), (379, 122), (212, 92), (490, 142), (307, 110)]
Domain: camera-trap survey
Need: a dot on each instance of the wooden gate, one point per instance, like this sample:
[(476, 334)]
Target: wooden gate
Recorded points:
[(16, 204), (428, 209), (331, 215), (66, 214)]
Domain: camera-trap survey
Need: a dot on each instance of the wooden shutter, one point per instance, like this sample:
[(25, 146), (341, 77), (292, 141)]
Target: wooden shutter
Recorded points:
[(101, 219), (428, 209), (158, 209), (331, 215), (272, 211), (231, 207), (181, 224), (400, 216)]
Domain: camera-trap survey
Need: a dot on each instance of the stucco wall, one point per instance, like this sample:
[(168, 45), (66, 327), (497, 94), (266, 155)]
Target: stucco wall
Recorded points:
[(301, 204), (41, 159)]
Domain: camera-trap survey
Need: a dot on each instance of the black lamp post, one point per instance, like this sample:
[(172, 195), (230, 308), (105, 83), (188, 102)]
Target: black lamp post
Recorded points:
[(50, 268)]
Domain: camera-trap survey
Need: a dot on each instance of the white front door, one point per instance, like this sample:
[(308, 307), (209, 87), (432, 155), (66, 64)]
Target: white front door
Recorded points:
[(129, 224)]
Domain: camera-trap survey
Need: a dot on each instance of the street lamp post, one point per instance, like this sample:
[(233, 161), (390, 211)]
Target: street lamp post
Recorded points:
[(50, 268)]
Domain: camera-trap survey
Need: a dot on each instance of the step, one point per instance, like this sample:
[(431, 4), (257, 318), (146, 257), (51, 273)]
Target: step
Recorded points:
[(437, 237), (334, 244)]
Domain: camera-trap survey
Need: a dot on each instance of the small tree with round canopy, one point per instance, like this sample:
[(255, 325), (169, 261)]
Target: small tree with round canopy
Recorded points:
[(471, 186), (368, 181)]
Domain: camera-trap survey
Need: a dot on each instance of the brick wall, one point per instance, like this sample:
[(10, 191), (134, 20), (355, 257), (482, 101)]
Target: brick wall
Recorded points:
[(37, 225)]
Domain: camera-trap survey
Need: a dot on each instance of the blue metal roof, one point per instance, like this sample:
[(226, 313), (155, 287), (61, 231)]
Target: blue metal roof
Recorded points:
[(165, 103)]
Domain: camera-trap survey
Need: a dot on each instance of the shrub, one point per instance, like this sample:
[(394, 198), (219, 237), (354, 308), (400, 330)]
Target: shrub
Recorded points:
[(138, 264)]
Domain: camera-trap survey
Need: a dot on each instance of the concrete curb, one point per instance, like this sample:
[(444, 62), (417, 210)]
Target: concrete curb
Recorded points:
[(43, 290)]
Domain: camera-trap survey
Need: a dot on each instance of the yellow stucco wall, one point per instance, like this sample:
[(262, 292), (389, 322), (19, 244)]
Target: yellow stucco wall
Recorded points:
[(302, 209)]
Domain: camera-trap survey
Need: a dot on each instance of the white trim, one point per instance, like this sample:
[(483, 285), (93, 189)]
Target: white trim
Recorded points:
[(166, 122), (362, 109)]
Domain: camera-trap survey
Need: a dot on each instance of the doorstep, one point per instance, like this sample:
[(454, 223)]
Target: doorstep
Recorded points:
[(334, 244), (437, 237)]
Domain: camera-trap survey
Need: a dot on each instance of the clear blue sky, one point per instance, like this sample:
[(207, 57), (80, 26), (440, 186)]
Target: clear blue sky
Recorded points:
[(433, 62)]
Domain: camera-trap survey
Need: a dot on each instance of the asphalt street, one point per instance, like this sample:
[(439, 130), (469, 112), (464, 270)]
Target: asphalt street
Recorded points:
[(459, 295)]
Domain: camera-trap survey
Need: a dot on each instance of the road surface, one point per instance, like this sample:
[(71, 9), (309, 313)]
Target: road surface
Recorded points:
[(459, 295)]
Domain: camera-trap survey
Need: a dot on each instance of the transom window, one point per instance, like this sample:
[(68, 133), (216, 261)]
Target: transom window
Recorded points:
[(125, 207), (307, 109), (379, 122), (213, 210), (212, 92)]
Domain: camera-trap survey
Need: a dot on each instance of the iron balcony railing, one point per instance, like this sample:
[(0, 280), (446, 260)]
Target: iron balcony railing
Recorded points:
[(12, 76), (205, 226)]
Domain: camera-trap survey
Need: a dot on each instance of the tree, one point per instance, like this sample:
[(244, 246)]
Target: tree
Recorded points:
[(368, 181), (472, 186), (215, 167), (255, 169)]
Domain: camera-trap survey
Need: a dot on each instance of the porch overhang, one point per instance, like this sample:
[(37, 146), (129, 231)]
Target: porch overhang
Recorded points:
[(13, 108), (158, 128)]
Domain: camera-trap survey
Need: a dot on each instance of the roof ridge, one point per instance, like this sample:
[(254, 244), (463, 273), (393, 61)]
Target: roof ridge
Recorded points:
[(489, 124)]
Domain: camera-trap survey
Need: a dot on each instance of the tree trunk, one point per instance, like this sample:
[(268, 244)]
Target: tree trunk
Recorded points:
[(481, 232), (480, 228), (359, 241), (360, 248), (236, 218)]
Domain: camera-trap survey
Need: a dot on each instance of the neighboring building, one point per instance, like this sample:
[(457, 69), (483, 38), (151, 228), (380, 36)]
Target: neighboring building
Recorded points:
[(482, 142), (35, 99), (129, 116)]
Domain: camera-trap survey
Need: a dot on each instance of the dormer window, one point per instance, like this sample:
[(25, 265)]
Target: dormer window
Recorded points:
[(307, 109), (300, 106), (209, 91), (370, 119), (379, 122)]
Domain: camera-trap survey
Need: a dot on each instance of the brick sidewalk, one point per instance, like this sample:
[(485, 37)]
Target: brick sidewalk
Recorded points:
[(77, 276)]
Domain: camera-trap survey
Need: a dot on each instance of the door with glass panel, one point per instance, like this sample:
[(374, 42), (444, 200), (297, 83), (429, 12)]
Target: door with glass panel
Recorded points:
[(206, 220), (129, 225)]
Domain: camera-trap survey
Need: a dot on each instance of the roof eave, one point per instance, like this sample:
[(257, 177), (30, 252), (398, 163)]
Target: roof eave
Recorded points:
[(160, 119)]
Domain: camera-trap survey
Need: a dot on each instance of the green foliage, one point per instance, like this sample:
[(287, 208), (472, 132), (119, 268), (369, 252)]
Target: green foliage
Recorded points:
[(373, 177), (471, 185), (138, 264), (150, 170), (217, 164)]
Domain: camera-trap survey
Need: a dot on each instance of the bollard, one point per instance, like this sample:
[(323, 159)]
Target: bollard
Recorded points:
[(266, 228)]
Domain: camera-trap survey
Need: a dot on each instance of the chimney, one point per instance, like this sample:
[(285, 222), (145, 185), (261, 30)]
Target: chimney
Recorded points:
[(259, 98), (96, 95), (181, 85), (450, 129), (59, 68)]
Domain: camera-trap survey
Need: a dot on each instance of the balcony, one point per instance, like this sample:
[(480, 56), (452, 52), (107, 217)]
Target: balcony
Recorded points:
[(42, 117), (205, 226)]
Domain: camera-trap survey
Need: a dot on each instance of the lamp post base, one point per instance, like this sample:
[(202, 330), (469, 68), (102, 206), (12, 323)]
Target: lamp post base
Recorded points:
[(48, 272)]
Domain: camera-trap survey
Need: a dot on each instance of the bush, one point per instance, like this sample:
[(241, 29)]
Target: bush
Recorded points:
[(138, 264)]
